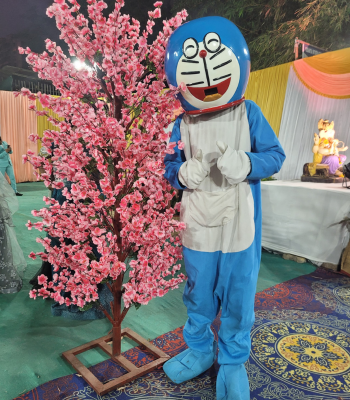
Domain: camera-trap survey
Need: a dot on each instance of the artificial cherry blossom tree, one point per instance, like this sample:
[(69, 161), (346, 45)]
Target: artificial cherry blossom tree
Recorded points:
[(110, 146)]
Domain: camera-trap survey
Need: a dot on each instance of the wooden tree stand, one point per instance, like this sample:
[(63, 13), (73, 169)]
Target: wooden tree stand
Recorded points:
[(133, 371), (114, 351)]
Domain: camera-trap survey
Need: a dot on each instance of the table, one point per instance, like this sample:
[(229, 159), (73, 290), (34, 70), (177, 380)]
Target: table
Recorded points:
[(302, 218)]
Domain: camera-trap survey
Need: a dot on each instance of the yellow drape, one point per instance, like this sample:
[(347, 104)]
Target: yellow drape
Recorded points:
[(43, 123), (267, 88), (332, 62)]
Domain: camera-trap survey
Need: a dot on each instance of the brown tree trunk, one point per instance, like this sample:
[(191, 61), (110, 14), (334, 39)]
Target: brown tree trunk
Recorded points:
[(117, 315)]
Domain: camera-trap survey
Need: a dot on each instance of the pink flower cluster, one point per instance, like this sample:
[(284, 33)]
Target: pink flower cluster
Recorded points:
[(110, 146)]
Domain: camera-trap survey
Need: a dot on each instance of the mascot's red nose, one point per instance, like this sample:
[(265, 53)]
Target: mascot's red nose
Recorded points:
[(202, 54)]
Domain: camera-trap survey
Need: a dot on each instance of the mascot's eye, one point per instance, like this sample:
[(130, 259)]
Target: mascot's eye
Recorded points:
[(190, 48), (212, 42)]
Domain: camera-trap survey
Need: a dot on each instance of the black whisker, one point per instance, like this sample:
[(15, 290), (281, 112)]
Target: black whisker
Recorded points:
[(221, 77), (206, 71), (223, 64), (190, 73), (216, 54), (196, 83), (191, 61)]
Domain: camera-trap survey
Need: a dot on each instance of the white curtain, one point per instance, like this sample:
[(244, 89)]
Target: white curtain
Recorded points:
[(301, 112)]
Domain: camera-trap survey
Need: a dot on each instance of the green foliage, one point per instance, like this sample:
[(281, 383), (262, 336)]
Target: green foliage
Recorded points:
[(271, 26), (88, 306)]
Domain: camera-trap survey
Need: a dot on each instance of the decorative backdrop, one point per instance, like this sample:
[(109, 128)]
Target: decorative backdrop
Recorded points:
[(292, 96), (302, 110)]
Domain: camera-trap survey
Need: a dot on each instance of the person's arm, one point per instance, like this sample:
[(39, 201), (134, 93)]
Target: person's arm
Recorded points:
[(174, 161), (266, 155), (3, 152), (7, 148)]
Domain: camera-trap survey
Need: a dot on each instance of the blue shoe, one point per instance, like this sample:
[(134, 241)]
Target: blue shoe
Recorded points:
[(189, 364), (232, 383)]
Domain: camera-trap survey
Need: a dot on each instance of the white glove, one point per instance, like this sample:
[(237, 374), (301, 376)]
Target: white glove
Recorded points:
[(192, 172), (234, 164)]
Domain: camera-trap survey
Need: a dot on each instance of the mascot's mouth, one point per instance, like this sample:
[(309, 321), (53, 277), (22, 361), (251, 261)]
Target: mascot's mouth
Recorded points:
[(210, 93)]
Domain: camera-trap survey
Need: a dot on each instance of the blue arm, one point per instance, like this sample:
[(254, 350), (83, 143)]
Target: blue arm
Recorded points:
[(2, 152), (267, 155), (174, 161)]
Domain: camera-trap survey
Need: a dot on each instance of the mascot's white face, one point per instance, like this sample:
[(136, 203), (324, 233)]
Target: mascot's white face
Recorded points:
[(209, 69), (211, 58)]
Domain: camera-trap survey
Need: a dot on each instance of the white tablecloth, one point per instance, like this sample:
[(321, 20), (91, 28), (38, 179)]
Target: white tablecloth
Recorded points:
[(302, 218)]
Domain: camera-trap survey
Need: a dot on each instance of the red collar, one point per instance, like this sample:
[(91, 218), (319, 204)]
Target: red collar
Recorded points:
[(218, 108)]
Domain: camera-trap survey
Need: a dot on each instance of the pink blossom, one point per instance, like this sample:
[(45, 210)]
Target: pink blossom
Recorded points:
[(43, 293), (67, 301), (136, 208), (157, 13), (25, 92), (29, 225), (44, 99), (180, 145), (42, 279), (32, 255), (98, 231), (33, 137), (118, 201), (80, 302), (182, 86)]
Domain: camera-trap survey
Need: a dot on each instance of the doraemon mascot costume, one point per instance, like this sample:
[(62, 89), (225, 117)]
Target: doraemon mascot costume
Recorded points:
[(229, 147)]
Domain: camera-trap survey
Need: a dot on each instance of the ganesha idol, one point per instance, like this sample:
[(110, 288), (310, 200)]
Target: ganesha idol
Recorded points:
[(327, 162)]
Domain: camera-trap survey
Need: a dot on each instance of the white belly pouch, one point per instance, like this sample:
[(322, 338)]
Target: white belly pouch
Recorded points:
[(213, 208), (218, 216)]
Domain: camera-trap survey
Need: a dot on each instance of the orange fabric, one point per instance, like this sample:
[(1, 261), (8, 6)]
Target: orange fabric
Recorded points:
[(332, 62), (328, 85), (17, 122)]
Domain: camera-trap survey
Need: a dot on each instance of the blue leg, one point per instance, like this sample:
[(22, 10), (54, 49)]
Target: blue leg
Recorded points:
[(232, 383), (202, 307), (200, 298), (11, 175), (236, 287)]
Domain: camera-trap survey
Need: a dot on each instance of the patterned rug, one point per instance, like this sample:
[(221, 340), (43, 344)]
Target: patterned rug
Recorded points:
[(300, 351)]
